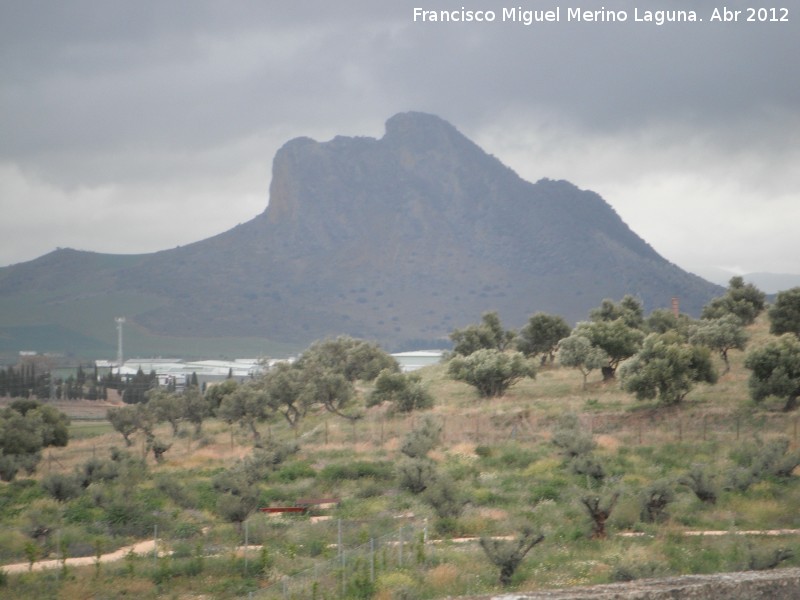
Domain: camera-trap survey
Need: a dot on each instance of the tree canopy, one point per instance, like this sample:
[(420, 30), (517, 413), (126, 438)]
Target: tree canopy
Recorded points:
[(776, 370), (541, 335), (784, 315), (616, 338), (721, 335), (742, 299), (577, 351), (629, 309), (488, 334), (354, 359), (667, 368), (26, 427), (491, 371)]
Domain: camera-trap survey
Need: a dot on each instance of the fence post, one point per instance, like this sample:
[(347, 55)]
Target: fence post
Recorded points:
[(400, 546), (372, 560), (344, 575), (246, 540)]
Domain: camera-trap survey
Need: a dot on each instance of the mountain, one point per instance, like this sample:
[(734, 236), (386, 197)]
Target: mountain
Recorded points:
[(769, 283), (399, 239)]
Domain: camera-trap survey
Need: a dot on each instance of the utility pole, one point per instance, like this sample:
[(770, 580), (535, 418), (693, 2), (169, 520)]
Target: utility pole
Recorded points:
[(120, 321)]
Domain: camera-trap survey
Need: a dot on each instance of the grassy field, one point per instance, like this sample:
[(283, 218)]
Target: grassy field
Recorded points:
[(385, 542)]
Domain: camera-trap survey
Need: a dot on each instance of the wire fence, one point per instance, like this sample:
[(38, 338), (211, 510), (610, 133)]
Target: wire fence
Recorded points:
[(341, 558), (523, 426), (354, 569)]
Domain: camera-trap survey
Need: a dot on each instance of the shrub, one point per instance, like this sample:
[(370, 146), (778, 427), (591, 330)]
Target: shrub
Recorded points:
[(700, 482), (507, 554), (445, 497), (599, 510), (590, 467), (423, 439), (295, 471), (61, 487), (570, 438), (416, 475), (404, 390), (655, 499), (491, 372), (360, 469)]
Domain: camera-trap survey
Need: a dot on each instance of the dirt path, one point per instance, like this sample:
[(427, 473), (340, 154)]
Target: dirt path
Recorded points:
[(146, 547)]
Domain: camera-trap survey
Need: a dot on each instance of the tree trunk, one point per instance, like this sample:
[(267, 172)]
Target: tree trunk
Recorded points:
[(256, 434), (608, 373)]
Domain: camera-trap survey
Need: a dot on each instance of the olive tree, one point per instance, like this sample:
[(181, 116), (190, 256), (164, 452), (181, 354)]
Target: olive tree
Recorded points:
[(422, 439), (654, 501), (352, 358), (489, 334), (507, 555), (742, 299), (701, 482), (721, 335), (196, 408), (247, 406), (541, 336), (616, 338), (599, 509), (776, 370), (123, 420), (491, 371), (784, 315), (284, 386), (629, 309), (404, 391), (167, 406), (217, 392), (577, 351), (26, 427), (667, 368), (332, 390), (662, 320)]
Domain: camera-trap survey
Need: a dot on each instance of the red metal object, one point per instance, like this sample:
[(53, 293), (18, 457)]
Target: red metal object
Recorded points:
[(284, 509)]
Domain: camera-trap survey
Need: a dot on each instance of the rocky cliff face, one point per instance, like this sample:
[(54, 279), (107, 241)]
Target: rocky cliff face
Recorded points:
[(401, 239)]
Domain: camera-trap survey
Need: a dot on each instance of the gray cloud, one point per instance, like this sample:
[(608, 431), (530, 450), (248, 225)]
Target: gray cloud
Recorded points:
[(176, 108)]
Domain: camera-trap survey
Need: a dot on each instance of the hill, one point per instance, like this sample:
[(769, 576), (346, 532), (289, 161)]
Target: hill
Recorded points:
[(399, 239)]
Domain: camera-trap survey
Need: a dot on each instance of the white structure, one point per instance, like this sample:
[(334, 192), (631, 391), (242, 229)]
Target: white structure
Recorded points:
[(411, 361), (178, 371)]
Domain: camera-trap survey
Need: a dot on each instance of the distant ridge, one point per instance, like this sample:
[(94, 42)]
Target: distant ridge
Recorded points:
[(398, 239)]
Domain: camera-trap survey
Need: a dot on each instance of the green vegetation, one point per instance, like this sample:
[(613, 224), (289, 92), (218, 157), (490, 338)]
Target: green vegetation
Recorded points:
[(26, 428), (562, 480), (784, 315)]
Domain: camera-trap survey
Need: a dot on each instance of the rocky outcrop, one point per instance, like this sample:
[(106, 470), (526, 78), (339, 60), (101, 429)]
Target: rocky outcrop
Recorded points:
[(399, 239), (782, 584)]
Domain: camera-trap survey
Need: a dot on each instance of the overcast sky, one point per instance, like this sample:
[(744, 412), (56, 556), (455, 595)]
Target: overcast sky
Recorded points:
[(131, 127)]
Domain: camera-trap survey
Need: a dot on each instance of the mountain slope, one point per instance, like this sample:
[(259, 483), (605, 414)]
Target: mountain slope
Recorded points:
[(399, 239)]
